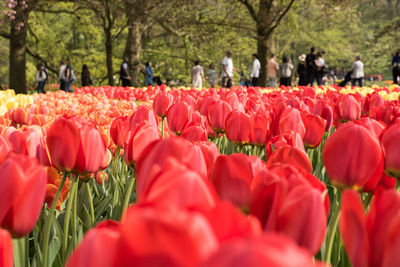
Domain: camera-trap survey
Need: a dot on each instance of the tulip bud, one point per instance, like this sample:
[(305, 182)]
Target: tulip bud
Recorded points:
[(352, 155), (391, 148), (161, 104)]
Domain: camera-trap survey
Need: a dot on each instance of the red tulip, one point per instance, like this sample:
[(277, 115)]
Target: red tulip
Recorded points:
[(210, 153), (290, 120), (194, 132), (261, 129), (307, 206), (284, 193), (375, 127), (75, 146), (6, 249), (239, 127), (23, 188), (391, 146), (139, 140), (217, 114), (156, 155), (232, 176), (158, 237), (371, 239), (352, 155), (178, 116), (288, 139), (120, 131), (93, 244), (63, 143), (194, 190), (315, 129), (349, 108), (161, 104), (5, 147), (268, 250), (293, 156), (27, 142), (142, 113), (229, 223), (204, 104)]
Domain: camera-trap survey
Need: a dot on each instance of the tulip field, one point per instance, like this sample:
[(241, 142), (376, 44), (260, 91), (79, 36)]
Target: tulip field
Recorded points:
[(157, 176)]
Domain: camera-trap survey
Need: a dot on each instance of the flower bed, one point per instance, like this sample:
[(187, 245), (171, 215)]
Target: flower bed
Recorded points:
[(113, 176)]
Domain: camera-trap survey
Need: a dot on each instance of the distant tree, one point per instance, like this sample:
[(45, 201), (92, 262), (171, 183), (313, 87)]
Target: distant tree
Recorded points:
[(110, 16), (267, 15), (14, 21)]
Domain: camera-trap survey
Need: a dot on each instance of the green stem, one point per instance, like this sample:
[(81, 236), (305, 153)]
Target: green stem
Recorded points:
[(68, 216), (49, 222), (162, 127), (128, 194), (330, 237), (74, 216), (90, 202)]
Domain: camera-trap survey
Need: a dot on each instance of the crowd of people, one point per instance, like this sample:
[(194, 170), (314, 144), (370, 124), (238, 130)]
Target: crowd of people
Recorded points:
[(311, 69)]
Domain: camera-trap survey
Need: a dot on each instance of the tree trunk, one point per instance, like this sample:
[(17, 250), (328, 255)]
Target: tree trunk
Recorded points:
[(17, 75), (132, 50), (264, 38), (262, 51), (109, 56)]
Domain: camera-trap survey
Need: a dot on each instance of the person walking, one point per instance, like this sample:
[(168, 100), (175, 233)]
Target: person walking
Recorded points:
[(357, 71), (69, 76), (286, 72), (312, 68), (197, 75), (272, 69), (61, 75), (85, 76), (148, 74), (41, 78), (302, 71), (227, 70), (255, 70), (320, 63), (124, 73), (212, 75), (396, 67)]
